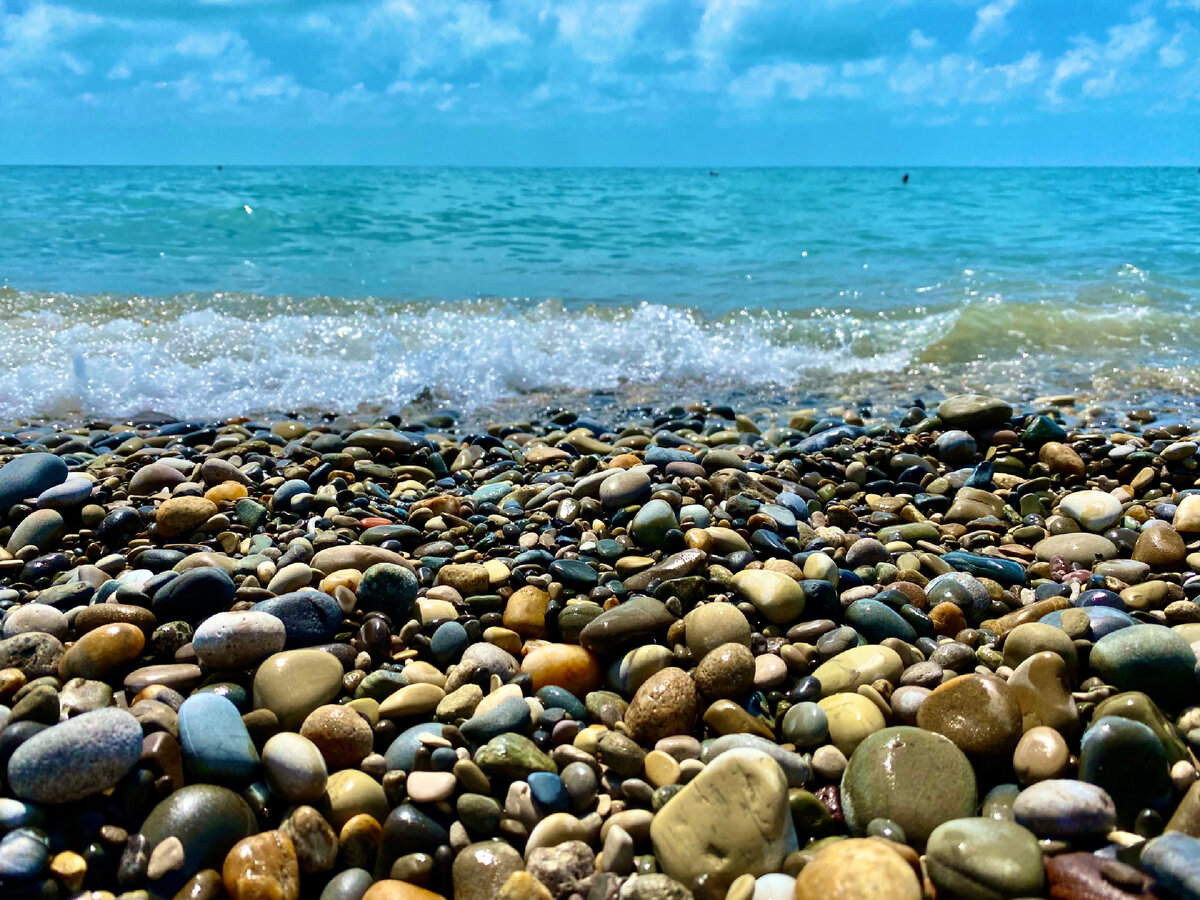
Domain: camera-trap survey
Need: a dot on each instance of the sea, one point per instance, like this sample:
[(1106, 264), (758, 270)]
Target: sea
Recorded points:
[(219, 291)]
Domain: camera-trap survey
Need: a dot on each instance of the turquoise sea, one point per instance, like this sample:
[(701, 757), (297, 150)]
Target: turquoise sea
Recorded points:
[(206, 291)]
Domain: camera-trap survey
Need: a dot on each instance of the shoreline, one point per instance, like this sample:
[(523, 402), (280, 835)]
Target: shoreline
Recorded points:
[(633, 649)]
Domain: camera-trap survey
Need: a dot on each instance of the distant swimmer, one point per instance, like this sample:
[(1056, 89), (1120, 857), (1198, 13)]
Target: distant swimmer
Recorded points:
[(219, 168), (713, 172), (904, 180)]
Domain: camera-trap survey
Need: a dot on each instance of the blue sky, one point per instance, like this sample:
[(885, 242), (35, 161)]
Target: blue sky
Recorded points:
[(595, 82)]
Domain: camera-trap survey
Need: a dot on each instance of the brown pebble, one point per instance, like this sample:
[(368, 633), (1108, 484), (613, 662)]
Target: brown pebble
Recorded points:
[(341, 734), (262, 867), (663, 706)]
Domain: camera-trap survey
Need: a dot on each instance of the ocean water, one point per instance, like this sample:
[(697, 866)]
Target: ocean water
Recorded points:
[(205, 292)]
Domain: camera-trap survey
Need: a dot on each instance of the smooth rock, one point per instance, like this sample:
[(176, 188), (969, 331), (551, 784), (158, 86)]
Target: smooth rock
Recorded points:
[(731, 819)]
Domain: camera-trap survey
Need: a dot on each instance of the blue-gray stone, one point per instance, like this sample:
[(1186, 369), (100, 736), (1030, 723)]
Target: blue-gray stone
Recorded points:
[(194, 596), (830, 438), (309, 617), (574, 574), (1153, 659), (794, 766), (795, 503), (1004, 571), (1174, 861), (652, 522), (554, 697), (402, 752), (407, 830), (27, 476), (1125, 758), (282, 498), (71, 493), (547, 789), (448, 642), (1065, 808), (876, 621), (492, 493), (216, 745), (1104, 620), (76, 758), (662, 456), (389, 589), (24, 854), (699, 515), (511, 715), (349, 884)]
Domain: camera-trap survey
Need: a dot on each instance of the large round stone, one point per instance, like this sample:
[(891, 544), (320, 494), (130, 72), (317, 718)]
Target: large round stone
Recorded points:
[(916, 778), (1153, 659)]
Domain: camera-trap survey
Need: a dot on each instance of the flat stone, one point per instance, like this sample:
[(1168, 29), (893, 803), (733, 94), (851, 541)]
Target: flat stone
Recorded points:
[(850, 669), (730, 820), (1063, 808), (1174, 860), (1080, 548), (1095, 511), (983, 858), (293, 683), (180, 516), (778, 598), (970, 411)]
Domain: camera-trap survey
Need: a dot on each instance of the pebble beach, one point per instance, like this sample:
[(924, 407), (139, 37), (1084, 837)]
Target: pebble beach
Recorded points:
[(694, 651)]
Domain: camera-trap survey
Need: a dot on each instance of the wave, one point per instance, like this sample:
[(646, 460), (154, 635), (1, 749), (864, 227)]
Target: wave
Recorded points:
[(224, 354)]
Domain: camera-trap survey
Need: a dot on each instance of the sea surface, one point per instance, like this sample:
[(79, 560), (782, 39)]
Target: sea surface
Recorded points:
[(210, 292)]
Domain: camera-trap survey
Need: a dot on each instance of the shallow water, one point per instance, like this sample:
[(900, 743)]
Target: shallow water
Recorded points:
[(203, 292)]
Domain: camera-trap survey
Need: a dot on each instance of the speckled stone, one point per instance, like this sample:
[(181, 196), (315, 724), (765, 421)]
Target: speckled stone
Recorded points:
[(664, 705), (77, 758)]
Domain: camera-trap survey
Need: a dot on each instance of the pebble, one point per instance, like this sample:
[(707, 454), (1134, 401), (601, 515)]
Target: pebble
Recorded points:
[(672, 654), (77, 758), (858, 867), (983, 858), (238, 640), (915, 778), (708, 830), (1061, 808)]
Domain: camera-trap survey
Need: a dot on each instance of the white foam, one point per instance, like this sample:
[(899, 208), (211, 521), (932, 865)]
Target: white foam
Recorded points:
[(219, 355)]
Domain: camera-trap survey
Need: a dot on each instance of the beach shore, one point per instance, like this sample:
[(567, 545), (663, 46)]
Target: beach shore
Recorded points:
[(748, 650)]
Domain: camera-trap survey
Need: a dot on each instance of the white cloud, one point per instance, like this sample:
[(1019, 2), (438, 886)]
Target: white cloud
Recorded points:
[(797, 81), (918, 41), (1102, 69), (1173, 54), (991, 18)]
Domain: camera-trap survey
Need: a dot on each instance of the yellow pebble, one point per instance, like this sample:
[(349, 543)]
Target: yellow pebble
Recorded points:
[(227, 490)]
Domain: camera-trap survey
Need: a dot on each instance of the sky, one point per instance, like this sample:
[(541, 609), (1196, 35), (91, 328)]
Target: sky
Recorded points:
[(601, 82)]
